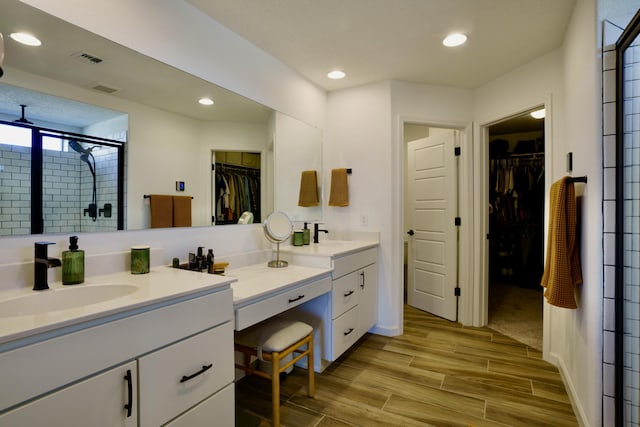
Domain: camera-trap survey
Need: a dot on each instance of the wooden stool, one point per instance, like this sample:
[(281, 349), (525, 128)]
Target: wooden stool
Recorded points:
[(272, 341)]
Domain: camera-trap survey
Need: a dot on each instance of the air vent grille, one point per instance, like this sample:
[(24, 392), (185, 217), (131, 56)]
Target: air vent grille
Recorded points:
[(87, 58), (101, 87)]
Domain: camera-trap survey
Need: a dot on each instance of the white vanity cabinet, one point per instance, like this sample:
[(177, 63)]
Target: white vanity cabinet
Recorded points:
[(351, 308), (171, 363), (354, 300)]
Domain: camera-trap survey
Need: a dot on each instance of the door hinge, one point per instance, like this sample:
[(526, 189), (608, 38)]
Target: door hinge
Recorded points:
[(456, 292), (213, 167), (458, 221), (456, 151)]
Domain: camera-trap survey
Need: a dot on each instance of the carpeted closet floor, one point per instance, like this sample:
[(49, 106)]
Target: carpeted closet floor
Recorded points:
[(516, 312)]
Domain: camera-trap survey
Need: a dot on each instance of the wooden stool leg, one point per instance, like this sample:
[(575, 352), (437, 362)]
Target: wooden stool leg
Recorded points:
[(311, 387), (275, 388)]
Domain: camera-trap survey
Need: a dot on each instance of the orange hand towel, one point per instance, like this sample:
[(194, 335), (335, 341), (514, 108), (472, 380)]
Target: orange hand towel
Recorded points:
[(562, 271), (308, 189), (339, 195), (182, 211), (161, 209)]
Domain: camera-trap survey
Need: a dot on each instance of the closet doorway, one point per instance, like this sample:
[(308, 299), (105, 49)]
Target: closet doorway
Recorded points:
[(516, 233)]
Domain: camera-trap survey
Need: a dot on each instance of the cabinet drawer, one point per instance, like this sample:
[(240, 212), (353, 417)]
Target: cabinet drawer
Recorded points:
[(96, 401), (218, 410), (348, 263), (345, 293), (256, 312), (175, 378), (345, 332)]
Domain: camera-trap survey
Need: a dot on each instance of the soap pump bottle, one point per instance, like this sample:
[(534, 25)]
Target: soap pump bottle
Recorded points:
[(306, 235), (73, 263)]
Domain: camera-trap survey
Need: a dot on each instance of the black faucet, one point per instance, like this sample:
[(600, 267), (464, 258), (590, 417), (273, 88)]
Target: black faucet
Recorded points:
[(315, 232), (41, 264)]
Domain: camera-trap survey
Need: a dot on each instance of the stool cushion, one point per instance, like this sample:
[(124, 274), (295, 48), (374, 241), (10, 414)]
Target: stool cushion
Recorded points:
[(274, 334)]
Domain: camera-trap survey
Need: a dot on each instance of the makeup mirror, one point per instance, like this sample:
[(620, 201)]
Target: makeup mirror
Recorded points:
[(277, 229)]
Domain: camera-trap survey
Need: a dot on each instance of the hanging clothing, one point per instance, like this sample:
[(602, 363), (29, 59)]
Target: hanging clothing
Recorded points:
[(237, 190)]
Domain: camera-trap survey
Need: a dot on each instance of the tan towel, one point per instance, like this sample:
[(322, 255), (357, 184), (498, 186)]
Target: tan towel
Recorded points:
[(562, 266), (308, 189), (161, 208), (182, 211), (339, 195)]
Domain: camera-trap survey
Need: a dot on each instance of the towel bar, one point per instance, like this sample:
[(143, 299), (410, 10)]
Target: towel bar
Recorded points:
[(147, 196), (578, 179)]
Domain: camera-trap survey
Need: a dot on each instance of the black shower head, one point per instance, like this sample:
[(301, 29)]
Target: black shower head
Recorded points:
[(75, 146)]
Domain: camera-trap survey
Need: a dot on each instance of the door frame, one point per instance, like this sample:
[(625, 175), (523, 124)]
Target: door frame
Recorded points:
[(481, 194), (465, 207)]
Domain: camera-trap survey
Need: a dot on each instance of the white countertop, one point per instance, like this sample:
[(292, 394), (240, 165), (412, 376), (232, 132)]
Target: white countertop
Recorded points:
[(329, 248), (160, 285), (258, 281)]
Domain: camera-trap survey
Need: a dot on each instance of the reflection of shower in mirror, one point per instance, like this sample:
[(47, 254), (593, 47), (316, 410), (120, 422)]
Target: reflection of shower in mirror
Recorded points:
[(87, 157)]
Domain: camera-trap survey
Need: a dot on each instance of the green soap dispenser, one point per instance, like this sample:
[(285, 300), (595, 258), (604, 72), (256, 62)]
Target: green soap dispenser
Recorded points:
[(73, 263)]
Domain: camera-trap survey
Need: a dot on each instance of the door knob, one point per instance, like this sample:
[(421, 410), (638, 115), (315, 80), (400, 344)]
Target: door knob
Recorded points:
[(411, 232)]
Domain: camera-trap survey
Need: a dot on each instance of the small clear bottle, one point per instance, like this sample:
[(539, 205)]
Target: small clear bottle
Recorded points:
[(73, 263)]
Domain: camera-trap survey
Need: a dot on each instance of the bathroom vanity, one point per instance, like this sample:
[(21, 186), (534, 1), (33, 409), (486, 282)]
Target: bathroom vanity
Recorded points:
[(343, 315), (161, 354)]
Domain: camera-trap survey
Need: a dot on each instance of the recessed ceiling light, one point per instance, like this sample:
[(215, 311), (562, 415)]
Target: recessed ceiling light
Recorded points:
[(336, 74), (454, 39), (538, 114), (26, 38), (206, 101)]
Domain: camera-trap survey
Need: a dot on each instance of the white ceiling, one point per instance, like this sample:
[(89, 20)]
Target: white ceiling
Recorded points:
[(372, 40), (375, 40)]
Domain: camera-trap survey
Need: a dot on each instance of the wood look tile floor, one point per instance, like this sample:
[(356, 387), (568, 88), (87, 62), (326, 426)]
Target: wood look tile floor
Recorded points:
[(438, 373)]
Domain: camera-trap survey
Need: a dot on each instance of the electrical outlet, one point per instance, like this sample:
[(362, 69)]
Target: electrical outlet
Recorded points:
[(364, 220)]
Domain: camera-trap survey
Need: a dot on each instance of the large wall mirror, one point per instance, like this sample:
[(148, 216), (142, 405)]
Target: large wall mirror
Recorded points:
[(83, 84)]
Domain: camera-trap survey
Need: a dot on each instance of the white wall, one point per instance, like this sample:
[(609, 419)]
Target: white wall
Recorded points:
[(176, 33)]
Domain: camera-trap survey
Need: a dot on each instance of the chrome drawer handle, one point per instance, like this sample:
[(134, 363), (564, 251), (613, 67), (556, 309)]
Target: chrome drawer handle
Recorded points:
[(204, 369), (298, 298), (348, 293), (348, 331)]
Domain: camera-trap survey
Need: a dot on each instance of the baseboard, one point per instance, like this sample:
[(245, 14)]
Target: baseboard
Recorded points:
[(387, 332), (581, 417)]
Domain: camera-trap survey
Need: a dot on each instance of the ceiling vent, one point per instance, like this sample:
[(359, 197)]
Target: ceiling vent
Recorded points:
[(104, 88), (87, 58)]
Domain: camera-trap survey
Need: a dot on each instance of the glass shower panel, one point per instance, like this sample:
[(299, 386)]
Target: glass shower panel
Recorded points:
[(15, 176), (630, 256)]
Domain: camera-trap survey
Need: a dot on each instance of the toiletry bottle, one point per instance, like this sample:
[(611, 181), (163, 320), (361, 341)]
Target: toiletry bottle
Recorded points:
[(73, 263), (210, 263), (306, 235)]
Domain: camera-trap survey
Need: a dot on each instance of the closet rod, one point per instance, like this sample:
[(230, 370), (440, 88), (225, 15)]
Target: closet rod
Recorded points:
[(577, 179)]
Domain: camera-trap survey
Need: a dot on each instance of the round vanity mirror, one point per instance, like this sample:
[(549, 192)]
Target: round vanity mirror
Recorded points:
[(277, 229)]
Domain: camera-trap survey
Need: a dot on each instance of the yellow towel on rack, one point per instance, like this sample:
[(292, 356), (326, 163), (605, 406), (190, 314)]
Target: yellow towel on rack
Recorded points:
[(562, 271), (161, 210), (308, 189), (182, 211), (339, 195)]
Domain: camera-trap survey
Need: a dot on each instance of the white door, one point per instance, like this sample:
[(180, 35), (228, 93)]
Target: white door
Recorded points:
[(433, 243)]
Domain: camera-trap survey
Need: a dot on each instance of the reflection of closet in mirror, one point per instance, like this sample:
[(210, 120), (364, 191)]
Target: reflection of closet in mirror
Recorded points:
[(236, 183)]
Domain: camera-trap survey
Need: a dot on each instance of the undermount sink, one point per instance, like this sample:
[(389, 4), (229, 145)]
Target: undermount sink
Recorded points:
[(56, 299)]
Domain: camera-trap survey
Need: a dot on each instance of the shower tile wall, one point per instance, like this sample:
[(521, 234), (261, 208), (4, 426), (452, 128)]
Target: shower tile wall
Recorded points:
[(67, 191), (15, 193), (631, 255)]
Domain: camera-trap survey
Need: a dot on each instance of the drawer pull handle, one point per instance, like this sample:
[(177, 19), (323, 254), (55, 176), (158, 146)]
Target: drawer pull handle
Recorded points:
[(204, 369), (348, 331), (348, 293), (298, 298), (129, 380), (362, 280)]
